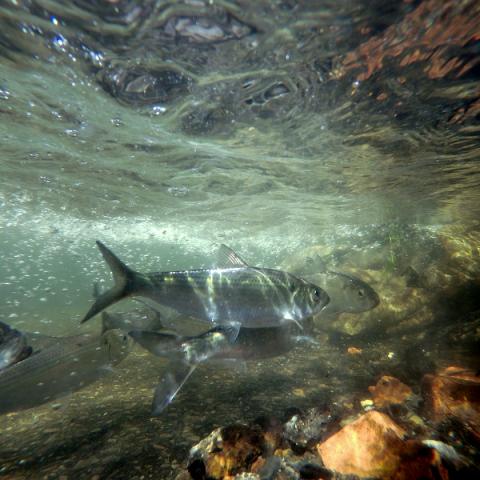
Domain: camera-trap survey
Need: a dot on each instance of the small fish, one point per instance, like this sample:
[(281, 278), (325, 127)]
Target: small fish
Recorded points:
[(254, 297), (64, 365), (347, 293), (13, 346), (224, 342), (147, 318), (185, 353)]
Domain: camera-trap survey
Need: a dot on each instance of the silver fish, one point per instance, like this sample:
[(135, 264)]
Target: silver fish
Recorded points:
[(13, 346), (253, 297), (224, 342), (65, 365), (347, 293)]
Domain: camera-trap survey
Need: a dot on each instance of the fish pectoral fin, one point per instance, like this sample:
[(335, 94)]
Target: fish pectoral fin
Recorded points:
[(230, 258), (177, 374), (295, 321)]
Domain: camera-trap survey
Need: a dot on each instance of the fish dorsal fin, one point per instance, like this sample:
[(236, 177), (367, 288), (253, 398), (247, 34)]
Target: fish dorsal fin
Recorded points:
[(230, 258)]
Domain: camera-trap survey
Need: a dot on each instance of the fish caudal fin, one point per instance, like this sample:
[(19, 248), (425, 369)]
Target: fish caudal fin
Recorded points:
[(169, 386), (123, 277)]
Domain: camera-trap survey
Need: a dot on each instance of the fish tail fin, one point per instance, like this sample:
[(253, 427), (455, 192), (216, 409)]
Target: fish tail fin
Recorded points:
[(124, 279), (169, 386), (96, 292)]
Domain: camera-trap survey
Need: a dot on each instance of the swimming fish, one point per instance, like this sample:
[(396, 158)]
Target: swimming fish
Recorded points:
[(147, 318), (346, 292), (254, 297), (13, 346), (224, 343), (65, 365)]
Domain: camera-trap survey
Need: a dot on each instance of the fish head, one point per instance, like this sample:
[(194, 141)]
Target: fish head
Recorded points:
[(357, 295), (308, 298), (117, 343)]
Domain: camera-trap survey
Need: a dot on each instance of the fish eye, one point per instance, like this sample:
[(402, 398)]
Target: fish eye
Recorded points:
[(291, 287), (360, 293), (316, 294)]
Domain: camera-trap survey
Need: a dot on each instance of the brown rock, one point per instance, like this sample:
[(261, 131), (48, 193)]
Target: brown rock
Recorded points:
[(228, 451), (419, 462), (368, 447), (390, 391), (454, 392)]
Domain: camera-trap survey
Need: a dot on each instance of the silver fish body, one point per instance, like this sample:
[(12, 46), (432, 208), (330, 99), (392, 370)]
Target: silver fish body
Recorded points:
[(253, 297), (225, 342), (65, 365)]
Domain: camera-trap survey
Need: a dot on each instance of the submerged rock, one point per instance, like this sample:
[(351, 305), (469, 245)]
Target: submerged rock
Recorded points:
[(304, 430), (368, 447), (390, 391), (454, 393), (226, 452)]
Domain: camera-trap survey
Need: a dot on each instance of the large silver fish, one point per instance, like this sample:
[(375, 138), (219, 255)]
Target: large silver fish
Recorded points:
[(62, 366), (253, 297), (13, 346), (224, 342)]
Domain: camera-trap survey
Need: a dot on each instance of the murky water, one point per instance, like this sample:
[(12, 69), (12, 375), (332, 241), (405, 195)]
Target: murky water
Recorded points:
[(341, 135)]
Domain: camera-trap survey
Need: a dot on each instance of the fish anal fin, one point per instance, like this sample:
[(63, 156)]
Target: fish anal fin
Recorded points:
[(170, 385)]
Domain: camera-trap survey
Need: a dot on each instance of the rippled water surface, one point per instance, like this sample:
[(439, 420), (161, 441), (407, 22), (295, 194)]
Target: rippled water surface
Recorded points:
[(346, 132)]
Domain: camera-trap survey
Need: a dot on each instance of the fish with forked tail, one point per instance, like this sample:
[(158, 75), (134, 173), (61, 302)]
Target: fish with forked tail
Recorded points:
[(254, 297)]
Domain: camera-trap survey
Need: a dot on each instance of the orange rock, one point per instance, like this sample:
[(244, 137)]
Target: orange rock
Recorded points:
[(454, 392), (354, 351), (368, 447), (390, 391)]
